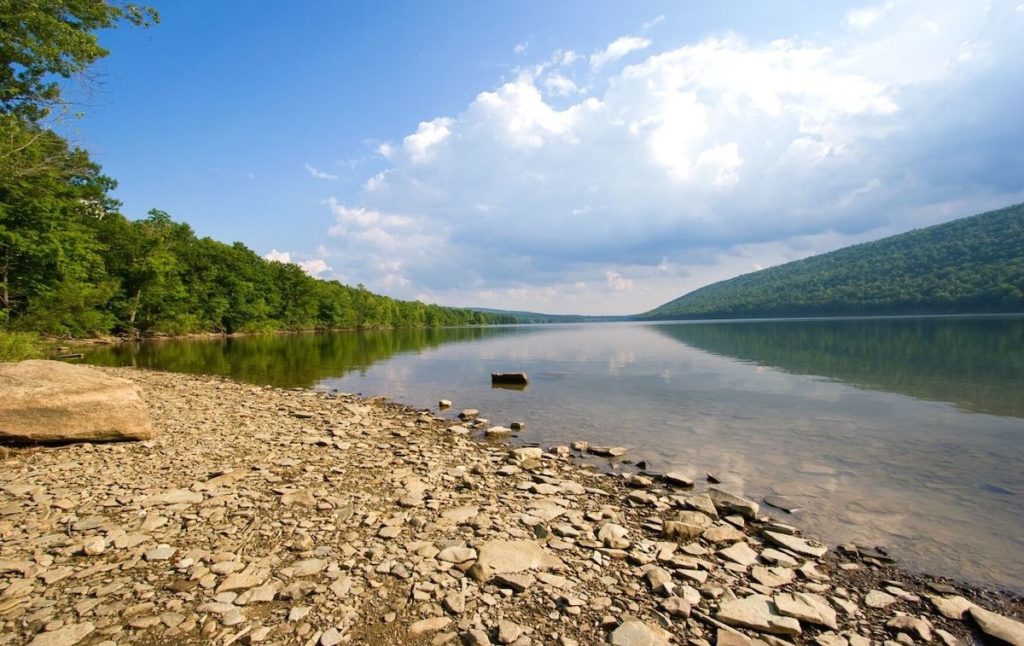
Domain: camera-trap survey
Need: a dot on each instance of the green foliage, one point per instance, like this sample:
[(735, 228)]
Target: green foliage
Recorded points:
[(44, 40), (971, 265), (16, 346)]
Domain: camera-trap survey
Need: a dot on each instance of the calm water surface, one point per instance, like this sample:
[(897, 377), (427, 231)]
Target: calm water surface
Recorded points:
[(903, 433)]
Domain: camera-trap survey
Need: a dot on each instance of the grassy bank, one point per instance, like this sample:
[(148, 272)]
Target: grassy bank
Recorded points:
[(16, 346)]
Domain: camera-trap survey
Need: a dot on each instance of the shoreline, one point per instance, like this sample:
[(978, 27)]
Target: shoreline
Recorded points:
[(87, 342), (299, 516)]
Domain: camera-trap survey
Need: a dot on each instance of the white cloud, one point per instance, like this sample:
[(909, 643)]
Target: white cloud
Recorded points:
[(558, 85), (692, 164), (418, 146), (865, 17), (278, 256), (360, 218), (564, 57), (617, 281), (650, 24), (617, 49), (521, 48), (313, 267), (319, 174)]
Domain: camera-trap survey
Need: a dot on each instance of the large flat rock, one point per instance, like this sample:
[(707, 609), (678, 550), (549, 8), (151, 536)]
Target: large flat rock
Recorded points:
[(504, 557), (53, 402), (999, 627)]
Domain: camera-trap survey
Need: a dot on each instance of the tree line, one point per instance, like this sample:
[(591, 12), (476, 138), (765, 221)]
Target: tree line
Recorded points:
[(970, 265), (72, 264)]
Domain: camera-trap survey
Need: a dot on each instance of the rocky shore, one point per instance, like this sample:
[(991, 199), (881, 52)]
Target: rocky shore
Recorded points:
[(261, 515)]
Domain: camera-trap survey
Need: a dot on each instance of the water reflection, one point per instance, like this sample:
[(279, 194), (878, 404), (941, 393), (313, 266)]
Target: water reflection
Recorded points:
[(288, 360), (975, 363)]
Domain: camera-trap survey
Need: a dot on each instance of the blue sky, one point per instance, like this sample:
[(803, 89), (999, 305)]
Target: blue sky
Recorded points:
[(578, 157)]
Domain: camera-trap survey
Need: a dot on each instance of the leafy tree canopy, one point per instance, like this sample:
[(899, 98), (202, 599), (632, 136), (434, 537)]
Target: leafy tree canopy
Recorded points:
[(970, 265), (43, 40)]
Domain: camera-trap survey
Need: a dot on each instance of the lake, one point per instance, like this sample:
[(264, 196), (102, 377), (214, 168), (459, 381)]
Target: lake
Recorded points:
[(905, 433)]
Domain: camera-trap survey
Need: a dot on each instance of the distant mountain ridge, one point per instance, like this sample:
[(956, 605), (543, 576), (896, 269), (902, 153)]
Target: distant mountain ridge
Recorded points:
[(971, 265)]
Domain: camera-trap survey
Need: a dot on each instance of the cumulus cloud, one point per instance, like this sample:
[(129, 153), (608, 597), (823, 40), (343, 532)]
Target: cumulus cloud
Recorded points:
[(865, 17), (617, 281), (695, 163), (617, 49), (558, 85), (418, 146), (319, 174), (521, 48), (278, 256), (314, 267)]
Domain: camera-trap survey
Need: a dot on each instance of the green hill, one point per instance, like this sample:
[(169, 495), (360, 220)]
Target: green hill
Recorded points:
[(970, 265)]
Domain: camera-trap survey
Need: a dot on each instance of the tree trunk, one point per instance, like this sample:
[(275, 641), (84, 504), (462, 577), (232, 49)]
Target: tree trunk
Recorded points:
[(135, 306)]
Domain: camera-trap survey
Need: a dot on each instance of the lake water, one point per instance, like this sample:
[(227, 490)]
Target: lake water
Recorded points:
[(901, 433)]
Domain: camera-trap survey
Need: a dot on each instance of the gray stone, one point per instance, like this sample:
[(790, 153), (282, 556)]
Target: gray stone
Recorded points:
[(454, 602), (613, 536), (908, 624), (633, 632), (686, 525), (64, 636), (878, 599), (726, 502), (772, 555), (772, 577), (807, 607), (735, 638), (475, 637), (514, 582), (998, 626), (457, 554), (160, 553), (308, 567), (331, 637), (740, 553), (676, 479), (498, 431), (502, 557), (175, 497), (758, 613), (431, 624), (723, 534), (239, 581), (508, 631), (660, 580), (797, 544), (608, 451), (951, 607), (676, 607)]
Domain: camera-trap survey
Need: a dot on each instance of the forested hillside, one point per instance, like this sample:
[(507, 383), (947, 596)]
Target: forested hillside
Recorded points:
[(971, 265), (71, 263)]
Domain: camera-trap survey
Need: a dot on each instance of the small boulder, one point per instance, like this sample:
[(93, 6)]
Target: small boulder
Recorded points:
[(512, 378)]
